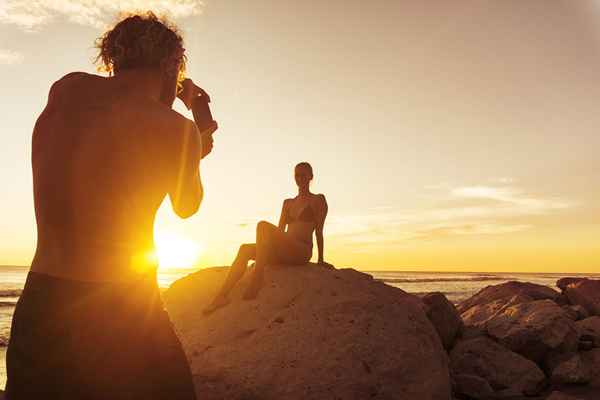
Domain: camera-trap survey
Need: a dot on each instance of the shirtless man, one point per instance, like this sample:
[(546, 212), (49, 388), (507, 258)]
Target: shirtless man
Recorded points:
[(106, 151)]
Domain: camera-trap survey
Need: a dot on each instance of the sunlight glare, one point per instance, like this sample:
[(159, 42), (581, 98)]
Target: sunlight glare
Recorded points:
[(176, 252)]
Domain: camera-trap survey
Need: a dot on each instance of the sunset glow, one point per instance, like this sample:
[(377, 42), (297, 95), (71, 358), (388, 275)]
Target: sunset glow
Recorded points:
[(176, 252)]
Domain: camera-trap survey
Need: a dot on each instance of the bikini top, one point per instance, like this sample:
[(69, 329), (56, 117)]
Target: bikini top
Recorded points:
[(307, 215)]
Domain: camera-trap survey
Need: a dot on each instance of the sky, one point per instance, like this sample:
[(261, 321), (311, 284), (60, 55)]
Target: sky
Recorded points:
[(446, 136)]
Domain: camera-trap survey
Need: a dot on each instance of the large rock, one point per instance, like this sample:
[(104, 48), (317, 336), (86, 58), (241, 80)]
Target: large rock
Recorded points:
[(479, 315), (313, 333), (567, 368), (586, 293), (533, 329), (444, 317), (589, 328), (506, 291), (562, 283), (592, 361), (502, 369)]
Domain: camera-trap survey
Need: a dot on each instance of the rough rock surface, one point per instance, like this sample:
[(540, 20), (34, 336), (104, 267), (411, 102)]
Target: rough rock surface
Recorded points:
[(508, 290), (576, 313), (562, 283), (568, 368), (444, 317), (472, 386), (479, 315), (556, 395), (592, 361), (586, 293), (589, 328), (533, 329), (313, 333), (501, 368)]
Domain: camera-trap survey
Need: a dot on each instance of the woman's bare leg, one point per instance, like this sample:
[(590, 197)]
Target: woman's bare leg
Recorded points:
[(270, 240), (246, 253)]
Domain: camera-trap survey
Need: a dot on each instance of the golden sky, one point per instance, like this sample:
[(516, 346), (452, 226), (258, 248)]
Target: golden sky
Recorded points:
[(446, 135)]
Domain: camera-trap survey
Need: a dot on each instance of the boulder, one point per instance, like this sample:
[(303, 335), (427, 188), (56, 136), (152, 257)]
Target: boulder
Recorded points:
[(589, 329), (312, 333), (556, 395), (562, 283), (576, 313), (586, 293), (479, 315), (508, 290), (472, 386), (444, 317), (567, 368), (533, 329), (592, 361), (504, 370)]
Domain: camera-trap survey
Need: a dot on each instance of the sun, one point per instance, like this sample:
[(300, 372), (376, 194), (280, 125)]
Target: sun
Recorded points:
[(174, 251)]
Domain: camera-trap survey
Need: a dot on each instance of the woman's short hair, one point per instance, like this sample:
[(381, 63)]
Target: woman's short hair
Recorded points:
[(306, 165), (140, 41)]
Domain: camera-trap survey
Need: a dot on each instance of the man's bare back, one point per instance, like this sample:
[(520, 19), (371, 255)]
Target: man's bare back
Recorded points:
[(104, 157)]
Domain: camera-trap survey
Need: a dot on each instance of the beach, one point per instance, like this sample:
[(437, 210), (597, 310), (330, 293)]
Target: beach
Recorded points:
[(457, 286)]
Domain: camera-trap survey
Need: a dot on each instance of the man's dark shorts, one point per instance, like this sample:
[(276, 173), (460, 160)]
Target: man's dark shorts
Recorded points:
[(86, 340)]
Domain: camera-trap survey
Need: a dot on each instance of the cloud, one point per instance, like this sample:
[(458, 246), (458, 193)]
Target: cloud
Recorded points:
[(32, 14), (9, 57), (510, 196), (467, 210)]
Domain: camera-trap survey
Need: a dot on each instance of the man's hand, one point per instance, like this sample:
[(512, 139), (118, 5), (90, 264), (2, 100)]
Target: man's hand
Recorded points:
[(189, 91), (207, 139)]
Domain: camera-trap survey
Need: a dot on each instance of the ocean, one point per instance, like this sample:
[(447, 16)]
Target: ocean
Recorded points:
[(456, 286)]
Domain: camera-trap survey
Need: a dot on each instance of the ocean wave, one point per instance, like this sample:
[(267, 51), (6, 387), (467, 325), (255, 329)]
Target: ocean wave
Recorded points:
[(428, 280)]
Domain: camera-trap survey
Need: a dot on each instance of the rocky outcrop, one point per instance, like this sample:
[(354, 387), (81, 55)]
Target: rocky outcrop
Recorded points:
[(444, 317), (508, 290), (313, 333), (586, 293), (533, 329), (502, 369)]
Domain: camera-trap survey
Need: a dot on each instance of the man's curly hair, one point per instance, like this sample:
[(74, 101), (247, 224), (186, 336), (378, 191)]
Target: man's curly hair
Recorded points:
[(140, 41)]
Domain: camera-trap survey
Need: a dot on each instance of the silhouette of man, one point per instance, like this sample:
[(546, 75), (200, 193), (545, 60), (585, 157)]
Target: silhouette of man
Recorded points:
[(106, 151)]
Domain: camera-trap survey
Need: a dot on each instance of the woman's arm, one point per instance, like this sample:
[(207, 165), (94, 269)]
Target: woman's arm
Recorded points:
[(319, 229), (283, 216)]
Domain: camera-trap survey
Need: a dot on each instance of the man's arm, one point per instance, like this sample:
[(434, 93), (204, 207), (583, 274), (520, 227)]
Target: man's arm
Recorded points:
[(186, 191)]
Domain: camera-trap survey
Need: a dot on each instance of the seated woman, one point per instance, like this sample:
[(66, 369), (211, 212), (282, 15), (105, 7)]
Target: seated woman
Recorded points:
[(275, 245)]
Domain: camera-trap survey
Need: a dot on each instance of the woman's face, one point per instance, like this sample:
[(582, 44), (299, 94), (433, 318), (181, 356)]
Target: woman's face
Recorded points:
[(303, 176)]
